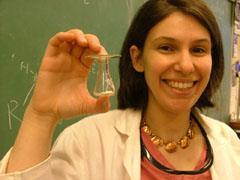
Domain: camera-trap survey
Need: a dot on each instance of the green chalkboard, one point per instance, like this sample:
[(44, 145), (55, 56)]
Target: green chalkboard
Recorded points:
[(26, 26)]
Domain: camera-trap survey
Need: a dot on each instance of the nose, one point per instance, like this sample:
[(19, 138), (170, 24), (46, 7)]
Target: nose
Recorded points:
[(184, 63)]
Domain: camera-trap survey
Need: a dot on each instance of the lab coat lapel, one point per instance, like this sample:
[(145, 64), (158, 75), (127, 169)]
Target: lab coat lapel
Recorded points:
[(128, 126), (224, 167)]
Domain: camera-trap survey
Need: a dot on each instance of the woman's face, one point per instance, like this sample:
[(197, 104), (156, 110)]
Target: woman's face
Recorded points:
[(176, 61)]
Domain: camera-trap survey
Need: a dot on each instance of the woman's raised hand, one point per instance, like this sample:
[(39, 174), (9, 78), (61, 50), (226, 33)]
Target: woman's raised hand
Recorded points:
[(61, 86), (60, 92)]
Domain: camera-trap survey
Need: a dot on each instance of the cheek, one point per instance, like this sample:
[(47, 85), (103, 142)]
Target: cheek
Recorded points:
[(206, 69), (155, 65), (153, 71)]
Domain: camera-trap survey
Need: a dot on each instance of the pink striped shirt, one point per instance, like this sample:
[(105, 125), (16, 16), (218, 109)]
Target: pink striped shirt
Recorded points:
[(150, 172)]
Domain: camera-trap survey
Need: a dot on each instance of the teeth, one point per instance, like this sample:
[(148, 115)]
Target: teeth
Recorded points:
[(180, 85)]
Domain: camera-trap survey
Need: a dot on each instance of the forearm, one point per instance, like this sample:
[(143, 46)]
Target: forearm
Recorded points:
[(33, 142), (60, 91)]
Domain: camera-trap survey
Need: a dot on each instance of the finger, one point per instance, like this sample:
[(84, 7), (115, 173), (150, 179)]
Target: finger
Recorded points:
[(93, 42), (86, 61), (85, 40), (103, 104), (89, 41), (61, 37), (77, 51), (73, 36), (65, 47), (103, 50), (79, 37)]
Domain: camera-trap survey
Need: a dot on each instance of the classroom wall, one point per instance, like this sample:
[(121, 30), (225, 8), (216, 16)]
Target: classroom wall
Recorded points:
[(223, 10), (26, 26)]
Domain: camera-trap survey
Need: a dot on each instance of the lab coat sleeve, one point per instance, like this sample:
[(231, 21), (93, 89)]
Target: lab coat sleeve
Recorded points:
[(40, 171), (64, 162)]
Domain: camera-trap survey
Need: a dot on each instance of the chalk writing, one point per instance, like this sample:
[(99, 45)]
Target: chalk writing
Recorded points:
[(24, 67), (12, 106), (86, 2), (12, 57), (28, 94)]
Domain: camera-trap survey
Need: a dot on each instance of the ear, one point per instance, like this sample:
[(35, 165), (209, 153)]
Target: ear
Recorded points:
[(136, 58)]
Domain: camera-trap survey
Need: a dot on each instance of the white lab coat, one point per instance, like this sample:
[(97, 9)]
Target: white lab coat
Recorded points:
[(107, 147)]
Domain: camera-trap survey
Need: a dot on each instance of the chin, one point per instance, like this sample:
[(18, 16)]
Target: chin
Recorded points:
[(178, 107)]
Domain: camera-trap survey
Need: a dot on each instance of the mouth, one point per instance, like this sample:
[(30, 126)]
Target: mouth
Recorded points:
[(180, 85)]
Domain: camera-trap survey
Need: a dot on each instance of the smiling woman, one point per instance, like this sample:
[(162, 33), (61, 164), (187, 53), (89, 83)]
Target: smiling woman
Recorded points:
[(171, 64), (176, 64)]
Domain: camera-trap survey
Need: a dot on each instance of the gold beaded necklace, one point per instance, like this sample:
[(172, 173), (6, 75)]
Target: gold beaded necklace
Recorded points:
[(169, 146)]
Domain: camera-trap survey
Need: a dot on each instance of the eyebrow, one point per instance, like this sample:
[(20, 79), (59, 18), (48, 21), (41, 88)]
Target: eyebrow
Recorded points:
[(201, 40)]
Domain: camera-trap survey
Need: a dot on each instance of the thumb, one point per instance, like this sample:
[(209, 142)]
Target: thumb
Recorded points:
[(103, 104)]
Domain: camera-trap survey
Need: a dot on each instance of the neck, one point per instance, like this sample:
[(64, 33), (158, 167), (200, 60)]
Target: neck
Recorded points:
[(167, 125)]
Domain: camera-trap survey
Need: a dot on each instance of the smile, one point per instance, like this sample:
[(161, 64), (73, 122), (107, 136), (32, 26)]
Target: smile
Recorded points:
[(180, 85)]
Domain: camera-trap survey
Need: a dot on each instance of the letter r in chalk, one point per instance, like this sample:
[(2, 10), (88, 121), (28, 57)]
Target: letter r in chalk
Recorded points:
[(12, 106)]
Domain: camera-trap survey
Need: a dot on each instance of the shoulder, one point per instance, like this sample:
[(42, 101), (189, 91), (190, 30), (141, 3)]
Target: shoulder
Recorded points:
[(124, 121), (93, 122), (217, 127), (217, 130), (100, 130), (225, 144), (111, 118)]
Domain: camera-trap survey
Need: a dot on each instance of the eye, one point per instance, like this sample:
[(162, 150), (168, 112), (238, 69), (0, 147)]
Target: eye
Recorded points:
[(166, 48), (199, 51)]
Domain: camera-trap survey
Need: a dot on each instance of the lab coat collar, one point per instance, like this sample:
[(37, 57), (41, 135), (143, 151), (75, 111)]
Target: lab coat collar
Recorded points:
[(128, 122)]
